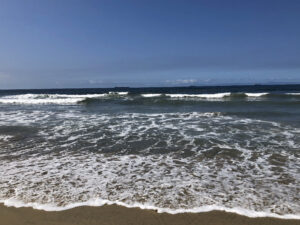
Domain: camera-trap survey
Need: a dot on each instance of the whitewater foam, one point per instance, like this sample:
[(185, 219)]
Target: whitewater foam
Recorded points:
[(61, 99), (208, 96), (256, 94), (101, 202), (74, 99), (169, 162), (293, 93), (118, 93), (151, 95)]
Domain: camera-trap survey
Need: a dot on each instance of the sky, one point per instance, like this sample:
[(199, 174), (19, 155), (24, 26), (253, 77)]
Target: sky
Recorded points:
[(137, 43)]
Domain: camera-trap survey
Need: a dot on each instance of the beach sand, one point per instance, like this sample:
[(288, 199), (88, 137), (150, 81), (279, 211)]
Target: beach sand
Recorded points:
[(117, 215)]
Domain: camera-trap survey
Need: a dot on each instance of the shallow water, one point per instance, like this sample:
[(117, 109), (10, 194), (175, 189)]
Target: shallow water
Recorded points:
[(174, 150)]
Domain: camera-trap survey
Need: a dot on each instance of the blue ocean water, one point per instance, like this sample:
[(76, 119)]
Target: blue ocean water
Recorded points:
[(181, 149)]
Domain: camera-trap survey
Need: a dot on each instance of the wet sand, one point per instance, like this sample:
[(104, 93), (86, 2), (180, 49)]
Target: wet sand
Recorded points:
[(117, 215)]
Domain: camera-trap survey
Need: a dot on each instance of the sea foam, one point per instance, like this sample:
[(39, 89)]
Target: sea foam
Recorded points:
[(101, 202), (61, 99), (151, 95), (256, 94), (74, 99), (208, 96), (293, 93), (169, 162)]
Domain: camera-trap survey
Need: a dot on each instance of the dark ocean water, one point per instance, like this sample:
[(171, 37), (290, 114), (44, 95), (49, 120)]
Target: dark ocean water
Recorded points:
[(188, 149)]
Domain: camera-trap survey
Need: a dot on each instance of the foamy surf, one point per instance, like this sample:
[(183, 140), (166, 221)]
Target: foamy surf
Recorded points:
[(168, 162), (102, 202), (74, 99), (60, 99), (151, 95), (293, 93), (207, 96), (256, 94)]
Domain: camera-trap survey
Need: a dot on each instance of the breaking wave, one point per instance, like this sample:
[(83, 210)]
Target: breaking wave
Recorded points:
[(62, 99), (207, 96), (71, 99)]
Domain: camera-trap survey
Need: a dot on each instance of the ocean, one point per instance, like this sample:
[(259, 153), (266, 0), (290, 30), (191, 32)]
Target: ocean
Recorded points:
[(174, 150)]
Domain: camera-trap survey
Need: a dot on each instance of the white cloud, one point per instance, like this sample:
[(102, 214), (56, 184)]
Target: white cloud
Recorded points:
[(95, 81), (182, 81)]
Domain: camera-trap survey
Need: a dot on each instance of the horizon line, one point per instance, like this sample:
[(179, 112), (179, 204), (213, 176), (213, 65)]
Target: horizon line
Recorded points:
[(149, 87)]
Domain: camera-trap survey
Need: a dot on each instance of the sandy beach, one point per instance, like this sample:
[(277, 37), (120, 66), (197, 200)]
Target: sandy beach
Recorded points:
[(117, 215)]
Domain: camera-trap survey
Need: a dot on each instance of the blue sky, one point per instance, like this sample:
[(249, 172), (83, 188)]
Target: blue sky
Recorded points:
[(85, 43)]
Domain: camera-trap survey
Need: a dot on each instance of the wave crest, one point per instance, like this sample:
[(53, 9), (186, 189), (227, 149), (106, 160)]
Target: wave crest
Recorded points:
[(60, 99), (73, 99)]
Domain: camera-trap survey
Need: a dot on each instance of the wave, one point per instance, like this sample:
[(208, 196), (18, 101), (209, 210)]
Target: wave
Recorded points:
[(73, 99), (216, 95), (61, 99), (118, 93), (256, 94), (151, 95), (101, 202), (225, 95), (293, 93)]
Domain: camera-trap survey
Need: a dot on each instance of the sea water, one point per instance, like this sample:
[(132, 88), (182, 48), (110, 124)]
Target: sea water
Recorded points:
[(189, 149)]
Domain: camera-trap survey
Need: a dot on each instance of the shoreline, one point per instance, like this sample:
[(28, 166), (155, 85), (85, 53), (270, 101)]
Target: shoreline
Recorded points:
[(100, 203), (119, 215)]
